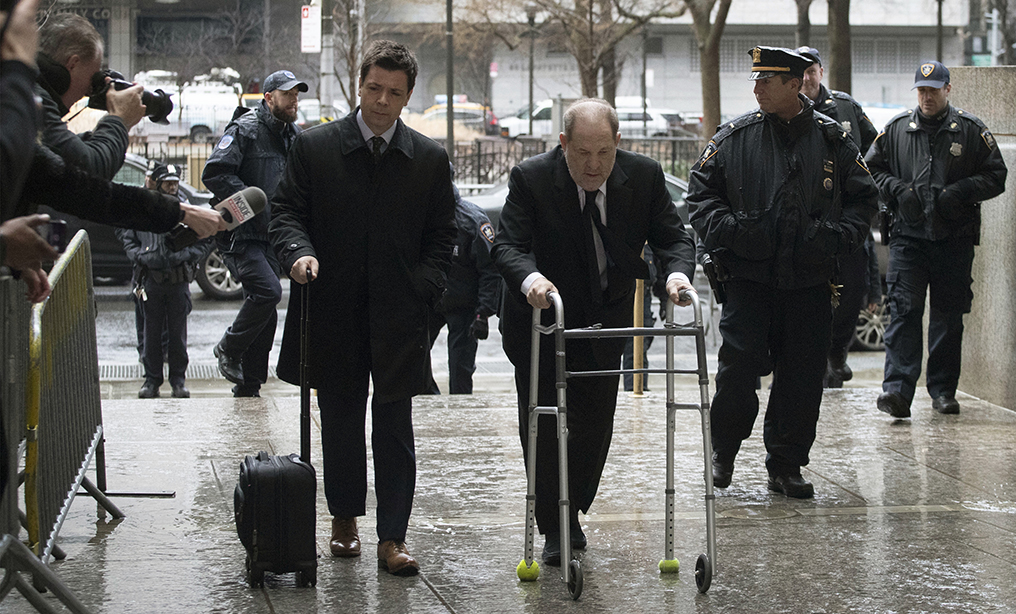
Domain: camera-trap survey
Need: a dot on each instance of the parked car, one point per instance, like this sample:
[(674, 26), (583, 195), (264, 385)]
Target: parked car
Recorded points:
[(633, 121), (468, 116), (109, 262)]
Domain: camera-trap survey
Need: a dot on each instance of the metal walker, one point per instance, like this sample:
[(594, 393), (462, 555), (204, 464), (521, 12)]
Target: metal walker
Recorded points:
[(528, 569)]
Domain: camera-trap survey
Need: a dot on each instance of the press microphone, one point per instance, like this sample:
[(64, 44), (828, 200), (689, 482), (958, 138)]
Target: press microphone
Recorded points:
[(237, 209)]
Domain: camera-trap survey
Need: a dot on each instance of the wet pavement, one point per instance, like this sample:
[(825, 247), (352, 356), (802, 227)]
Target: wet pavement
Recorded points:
[(909, 516)]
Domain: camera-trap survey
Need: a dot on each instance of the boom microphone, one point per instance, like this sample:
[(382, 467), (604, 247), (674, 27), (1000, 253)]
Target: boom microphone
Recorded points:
[(237, 209)]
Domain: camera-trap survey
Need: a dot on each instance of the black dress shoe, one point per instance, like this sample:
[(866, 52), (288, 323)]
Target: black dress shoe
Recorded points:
[(552, 550), (181, 392), (838, 365), (239, 391), (229, 366), (722, 472), (148, 391), (792, 485), (894, 404), (946, 405)]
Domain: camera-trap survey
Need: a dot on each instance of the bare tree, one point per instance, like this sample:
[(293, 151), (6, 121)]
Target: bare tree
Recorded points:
[(840, 64), (803, 33), (589, 30), (1007, 28), (708, 36)]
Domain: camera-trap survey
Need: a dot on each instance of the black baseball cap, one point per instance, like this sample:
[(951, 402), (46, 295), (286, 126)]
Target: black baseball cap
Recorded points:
[(931, 74), (811, 53), (771, 61), (283, 80)]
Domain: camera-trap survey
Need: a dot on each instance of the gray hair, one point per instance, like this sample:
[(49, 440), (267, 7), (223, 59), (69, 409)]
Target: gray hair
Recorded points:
[(593, 109), (67, 34)]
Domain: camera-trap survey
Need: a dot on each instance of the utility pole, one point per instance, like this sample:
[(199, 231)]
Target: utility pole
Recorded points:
[(531, 16), (450, 84)]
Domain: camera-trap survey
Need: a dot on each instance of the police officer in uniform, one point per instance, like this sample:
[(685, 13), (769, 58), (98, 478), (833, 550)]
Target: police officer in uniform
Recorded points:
[(854, 273), (162, 277), (471, 295), (252, 152), (777, 195), (934, 165)]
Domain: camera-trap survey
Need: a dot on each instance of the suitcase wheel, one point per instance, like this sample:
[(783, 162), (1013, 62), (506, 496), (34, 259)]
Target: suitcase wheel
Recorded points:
[(255, 577), (306, 577)]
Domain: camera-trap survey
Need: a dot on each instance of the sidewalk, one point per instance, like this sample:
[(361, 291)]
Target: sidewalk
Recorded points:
[(909, 516)]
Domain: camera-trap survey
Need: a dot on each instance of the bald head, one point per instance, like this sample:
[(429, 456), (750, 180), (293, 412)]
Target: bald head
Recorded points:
[(590, 111)]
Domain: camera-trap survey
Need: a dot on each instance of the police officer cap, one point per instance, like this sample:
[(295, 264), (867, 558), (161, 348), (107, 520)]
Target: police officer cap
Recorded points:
[(771, 61), (283, 80), (166, 172), (931, 74), (811, 53)]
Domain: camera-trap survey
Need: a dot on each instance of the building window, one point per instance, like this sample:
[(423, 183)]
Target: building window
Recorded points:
[(885, 56), (654, 45)]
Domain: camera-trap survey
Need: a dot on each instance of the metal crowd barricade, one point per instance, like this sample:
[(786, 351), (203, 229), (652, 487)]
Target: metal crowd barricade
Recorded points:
[(527, 568), (15, 556), (63, 401)]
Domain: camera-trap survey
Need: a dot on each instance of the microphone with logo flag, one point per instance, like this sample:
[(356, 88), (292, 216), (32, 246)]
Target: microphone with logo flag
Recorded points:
[(237, 209)]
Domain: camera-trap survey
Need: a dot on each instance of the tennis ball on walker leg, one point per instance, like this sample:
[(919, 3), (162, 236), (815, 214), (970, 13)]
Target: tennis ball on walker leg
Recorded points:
[(669, 566), (528, 574)]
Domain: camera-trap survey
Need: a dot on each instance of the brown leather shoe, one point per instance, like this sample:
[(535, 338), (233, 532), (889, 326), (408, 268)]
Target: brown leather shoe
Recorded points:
[(394, 557), (345, 540)]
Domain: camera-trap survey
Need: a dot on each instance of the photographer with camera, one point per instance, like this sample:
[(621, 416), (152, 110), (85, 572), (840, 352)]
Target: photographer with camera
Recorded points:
[(70, 54)]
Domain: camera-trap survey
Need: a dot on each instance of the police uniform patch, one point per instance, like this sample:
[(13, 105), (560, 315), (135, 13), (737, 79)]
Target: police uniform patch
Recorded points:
[(956, 149), (827, 183), (708, 152), (487, 231), (989, 140), (226, 141), (927, 69)]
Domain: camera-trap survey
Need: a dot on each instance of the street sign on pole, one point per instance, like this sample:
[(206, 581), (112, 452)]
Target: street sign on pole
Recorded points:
[(310, 29)]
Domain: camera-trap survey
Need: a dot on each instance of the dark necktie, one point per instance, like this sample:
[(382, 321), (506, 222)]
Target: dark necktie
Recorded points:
[(619, 256), (376, 143)]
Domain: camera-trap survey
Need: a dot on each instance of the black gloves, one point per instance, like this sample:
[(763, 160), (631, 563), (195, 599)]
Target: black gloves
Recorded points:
[(910, 208), (949, 204), (479, 329)]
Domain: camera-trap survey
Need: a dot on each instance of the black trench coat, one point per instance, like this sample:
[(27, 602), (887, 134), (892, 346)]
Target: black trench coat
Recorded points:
[(383, 236)]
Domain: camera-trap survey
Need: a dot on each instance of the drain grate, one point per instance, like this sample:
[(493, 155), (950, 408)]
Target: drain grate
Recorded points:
[(195, 371)]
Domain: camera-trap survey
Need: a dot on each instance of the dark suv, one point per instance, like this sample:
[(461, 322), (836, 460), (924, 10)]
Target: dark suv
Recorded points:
[(109, 262)]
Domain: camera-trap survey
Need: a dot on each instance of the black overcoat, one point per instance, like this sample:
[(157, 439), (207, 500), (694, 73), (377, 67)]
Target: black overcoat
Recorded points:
[(541, 229), (383, 237)]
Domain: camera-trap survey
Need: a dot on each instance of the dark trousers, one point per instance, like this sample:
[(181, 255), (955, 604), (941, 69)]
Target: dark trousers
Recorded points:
[(343, 416), (166, 309), (853, 277), (461, 350), (915, 265), (252, 332), (787, 330), (590, 414)]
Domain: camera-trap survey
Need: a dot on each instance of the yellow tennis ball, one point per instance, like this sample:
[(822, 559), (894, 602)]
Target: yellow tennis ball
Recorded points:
[(669, 566), (528, 574)]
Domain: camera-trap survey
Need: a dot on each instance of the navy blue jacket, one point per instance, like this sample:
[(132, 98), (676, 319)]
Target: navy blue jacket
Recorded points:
[(473, 281), (943, 180), (251, 152)]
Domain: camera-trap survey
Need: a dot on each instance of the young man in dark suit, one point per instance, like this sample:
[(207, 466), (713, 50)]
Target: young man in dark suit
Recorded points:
[(366, 206), (574, 223)]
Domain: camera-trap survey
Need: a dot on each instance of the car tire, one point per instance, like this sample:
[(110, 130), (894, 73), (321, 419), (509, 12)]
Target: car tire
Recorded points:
[(215, 279), (869, 334)]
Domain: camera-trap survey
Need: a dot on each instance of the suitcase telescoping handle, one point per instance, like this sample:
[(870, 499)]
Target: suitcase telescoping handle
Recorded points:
[(304, 384)]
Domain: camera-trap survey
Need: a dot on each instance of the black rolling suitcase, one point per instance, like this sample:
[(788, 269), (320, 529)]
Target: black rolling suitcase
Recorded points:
[(274, 501)]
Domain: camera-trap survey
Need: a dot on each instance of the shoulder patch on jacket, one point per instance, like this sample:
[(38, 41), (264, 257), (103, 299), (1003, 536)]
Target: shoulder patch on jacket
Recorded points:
[(989, 140), (225, 142), (487, 230)]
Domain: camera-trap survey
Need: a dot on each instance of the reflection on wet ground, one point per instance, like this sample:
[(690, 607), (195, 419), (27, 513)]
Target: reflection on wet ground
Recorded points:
[(909, 516)]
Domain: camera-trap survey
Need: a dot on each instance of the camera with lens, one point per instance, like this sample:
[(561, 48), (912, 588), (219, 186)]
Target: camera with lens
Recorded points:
[(158, 103)]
